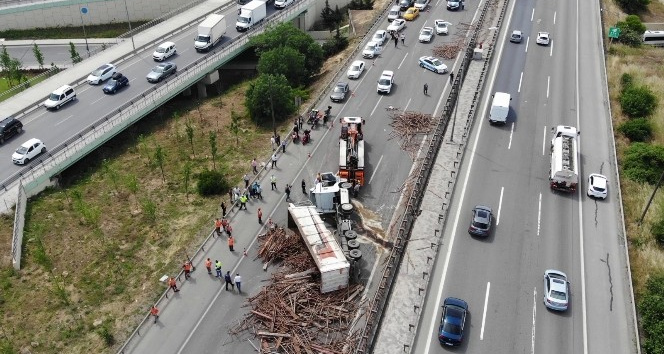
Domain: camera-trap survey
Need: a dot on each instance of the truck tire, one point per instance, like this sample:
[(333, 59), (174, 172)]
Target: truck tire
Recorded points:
[(355, 254), (351, 235), (353, 244)]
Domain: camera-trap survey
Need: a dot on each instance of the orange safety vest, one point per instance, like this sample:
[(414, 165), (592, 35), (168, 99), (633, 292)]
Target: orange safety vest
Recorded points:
[(260, 213), (154, 311), (229, 228), (187, 266), (231, 241), (208, 263), (171, 282), (217, 224)]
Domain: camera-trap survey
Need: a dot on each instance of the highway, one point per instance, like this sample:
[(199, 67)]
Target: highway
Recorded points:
[(535, 228), (203, 314)]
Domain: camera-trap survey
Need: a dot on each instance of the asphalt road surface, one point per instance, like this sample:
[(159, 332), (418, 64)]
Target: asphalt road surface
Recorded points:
[(57, 54), (535, 228)]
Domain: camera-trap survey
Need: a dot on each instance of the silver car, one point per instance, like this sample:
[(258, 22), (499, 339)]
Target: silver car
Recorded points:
[(339, 92), (161, 71), (556, 290)]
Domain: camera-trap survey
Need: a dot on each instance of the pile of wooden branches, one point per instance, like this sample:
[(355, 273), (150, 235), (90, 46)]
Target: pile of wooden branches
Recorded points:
[(290, 315), (449, 50), (406, 126)]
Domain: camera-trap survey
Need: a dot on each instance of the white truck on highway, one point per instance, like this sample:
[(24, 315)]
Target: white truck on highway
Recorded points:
[(210, 31), (564, 172), (250, 15), (500, 108)]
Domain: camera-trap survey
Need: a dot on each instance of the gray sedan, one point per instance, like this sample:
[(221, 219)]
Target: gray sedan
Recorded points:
[(161, 71), (339, 92)]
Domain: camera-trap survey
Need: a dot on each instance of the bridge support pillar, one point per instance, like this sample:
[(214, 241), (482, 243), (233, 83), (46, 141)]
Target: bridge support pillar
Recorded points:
[(202, 91), (186, 92)]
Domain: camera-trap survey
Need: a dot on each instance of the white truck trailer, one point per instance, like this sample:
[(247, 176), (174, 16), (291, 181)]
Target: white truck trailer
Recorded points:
[(564, 172), (210, 31), (250, 15)]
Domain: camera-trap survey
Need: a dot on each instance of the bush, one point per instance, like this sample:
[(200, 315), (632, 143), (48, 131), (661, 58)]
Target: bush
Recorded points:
[(633, 23), (212, 183), (638, 129), (626, 81), (651, 308), (335, 44), (633, 6), (638, 101), (361, 5), (657, 230), (631, 38), (644, 162)]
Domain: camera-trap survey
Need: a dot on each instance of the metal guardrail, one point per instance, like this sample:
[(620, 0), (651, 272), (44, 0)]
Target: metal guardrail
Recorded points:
[(380, 299), (19, 223)]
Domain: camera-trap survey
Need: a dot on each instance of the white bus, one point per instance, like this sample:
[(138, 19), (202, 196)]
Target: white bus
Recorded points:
[(653, 38)]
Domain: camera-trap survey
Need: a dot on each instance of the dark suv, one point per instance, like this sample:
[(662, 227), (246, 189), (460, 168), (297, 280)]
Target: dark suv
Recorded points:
[(9, 127)]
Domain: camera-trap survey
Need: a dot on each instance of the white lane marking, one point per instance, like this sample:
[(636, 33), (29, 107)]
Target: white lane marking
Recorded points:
[(97, 100), (62, 121), (520, 80), (486, 304), (532, 15), (402, 60), (432, 324), (500, 205), (34, 117), (375, 169), (376, 106), (548, 83), (539, 214), (544, 142), (407, 104), (554, 17), (532, 339), (509, 146), (551, 51), (527, 42)]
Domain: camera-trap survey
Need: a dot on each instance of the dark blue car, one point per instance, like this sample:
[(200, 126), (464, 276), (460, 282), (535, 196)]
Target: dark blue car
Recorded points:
[(452, 321)]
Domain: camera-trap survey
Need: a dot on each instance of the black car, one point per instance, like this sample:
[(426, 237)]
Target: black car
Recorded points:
[(480, 225), (406, 4), (116, 82), (9, 127)]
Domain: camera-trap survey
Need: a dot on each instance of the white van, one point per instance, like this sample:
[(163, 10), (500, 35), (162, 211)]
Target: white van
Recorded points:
[(500, 108), (59, 97), (395, 13), (164, 51), (280, 4)]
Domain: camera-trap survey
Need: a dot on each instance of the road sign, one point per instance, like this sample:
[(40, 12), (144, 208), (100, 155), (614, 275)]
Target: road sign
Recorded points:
[(614, 32), (84, 10)]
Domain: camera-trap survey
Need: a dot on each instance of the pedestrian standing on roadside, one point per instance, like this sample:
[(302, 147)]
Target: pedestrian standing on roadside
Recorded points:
[(283, 146), (230, 195), (403, 39), (217, 227), (273, 182), (254, 166), (300, 122), (396, 39), (228, 280), (217, 268), (272, 142), (231, 243), (229, 230), (173, 284), (426, 89), (259, 212), (304, 187), (259, 191), (154, 312), (274, 160), (243, 202), (208, 265), (451, 78), (187, 269), (223, 209), (238, 282), (288, 189), (224, 224), (246, 180), (270, 224), (277, 140), (236, 193)]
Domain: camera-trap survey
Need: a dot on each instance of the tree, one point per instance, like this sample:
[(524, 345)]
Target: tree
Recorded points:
[(38, 56), (287, 35), (638, 101), (328, 17), (338, 17), (186, 176), (335, 44), (258, 98), (651, 309), (284, 61), (5, 59), (160, 159), (15, 72), (213, 149), (73, 54), (235, 126), (633, 6), (190, 135), (631, 31), (644, 162)]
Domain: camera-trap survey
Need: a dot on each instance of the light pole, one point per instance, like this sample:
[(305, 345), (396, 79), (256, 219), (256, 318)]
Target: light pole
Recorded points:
[(84, 10), (133, 45)]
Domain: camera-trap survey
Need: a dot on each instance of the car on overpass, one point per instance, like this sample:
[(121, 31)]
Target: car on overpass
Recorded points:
[(59, 97), (28, 151), (452, 321), (101, 74), (164, 51), (9, 127), (117, 82), (161, 72)]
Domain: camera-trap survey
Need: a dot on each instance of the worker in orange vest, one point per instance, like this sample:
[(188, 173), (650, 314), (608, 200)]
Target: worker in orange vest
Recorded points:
[(217, 227), (173, 284), (229, 230), (224, 223), (231, 243), (208, 265), (154, 311), (260, 215), (187, 269)]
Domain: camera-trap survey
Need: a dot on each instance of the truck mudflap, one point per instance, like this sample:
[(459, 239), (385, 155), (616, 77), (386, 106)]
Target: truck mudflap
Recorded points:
[(563, 187)]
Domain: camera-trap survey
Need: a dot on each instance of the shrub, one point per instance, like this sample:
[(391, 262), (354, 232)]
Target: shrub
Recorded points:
[(212, 183), (657, 230), (651, 308), (633, 6), (626, 81), (631, 38), (638, 101), (644, 162), (361, 5), (335, 44), (633, 23), (638, 129)]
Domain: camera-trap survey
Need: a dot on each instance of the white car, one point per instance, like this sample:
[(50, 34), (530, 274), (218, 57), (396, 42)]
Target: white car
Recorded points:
[(426, 34), (421, 4), (355, 69), (164, 51), (380, 37), (598, 186), (28, 151), (556, 290), (441, 27), (396, 25), (372, 49), (281, 4), (102, 74), (59, 97), (385, 82), (433, 64), (543, 38)]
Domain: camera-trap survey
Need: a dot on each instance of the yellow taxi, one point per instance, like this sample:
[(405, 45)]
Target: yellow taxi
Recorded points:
[(411, 14)]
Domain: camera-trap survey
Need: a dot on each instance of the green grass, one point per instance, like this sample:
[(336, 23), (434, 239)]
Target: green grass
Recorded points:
[(4, 84), (110, 30)]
